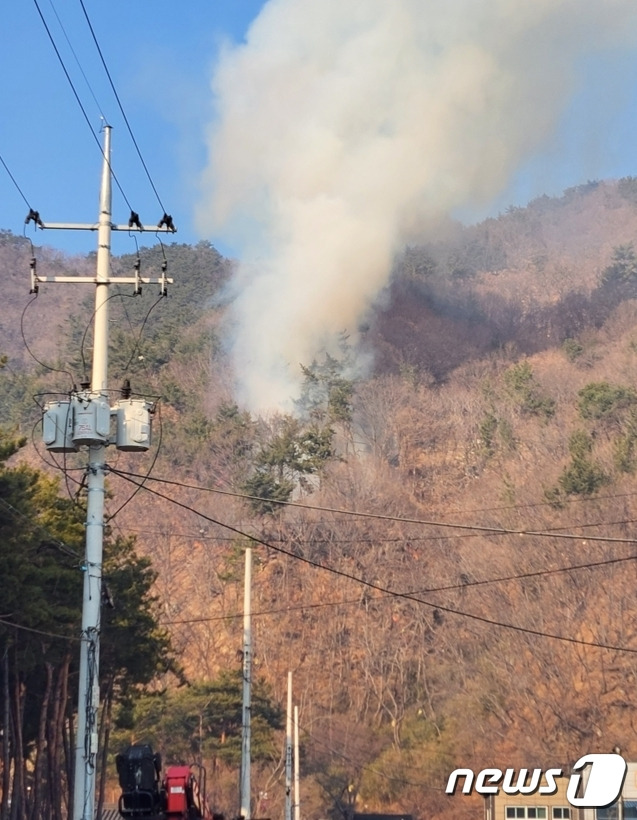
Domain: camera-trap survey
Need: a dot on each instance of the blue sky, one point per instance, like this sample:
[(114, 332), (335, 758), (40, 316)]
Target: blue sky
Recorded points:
[(161, 57)]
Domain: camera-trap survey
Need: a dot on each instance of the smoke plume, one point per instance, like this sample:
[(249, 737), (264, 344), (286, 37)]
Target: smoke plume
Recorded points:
[(343, 128)]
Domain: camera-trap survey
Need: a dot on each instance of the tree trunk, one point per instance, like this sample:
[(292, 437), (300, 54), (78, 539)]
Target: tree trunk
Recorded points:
[(55, 739), (18, 800), (35, 809), (6, 737)]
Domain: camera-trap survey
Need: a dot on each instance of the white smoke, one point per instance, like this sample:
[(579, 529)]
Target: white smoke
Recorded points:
[(343, 126)]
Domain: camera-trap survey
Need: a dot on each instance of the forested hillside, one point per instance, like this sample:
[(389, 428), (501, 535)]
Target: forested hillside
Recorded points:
[(445, 555)]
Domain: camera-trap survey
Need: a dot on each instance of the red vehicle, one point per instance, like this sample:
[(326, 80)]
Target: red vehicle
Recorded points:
[(181, 795)]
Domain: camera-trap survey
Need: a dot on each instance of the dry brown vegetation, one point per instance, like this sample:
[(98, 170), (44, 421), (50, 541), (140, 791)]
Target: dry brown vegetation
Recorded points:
[(501, 628)]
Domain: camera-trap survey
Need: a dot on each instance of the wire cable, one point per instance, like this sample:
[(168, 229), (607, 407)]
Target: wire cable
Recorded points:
[(38, 631), (89, 324), (379, 588), (362, 539), (12, 178), (30, 352), (53, 464), (121, 107), (141, 332), (79, 65), (428, 590), (474, 528), (54, 540), (79, 101)]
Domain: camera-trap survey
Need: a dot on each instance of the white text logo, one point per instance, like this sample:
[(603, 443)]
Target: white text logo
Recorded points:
[(606, 775)]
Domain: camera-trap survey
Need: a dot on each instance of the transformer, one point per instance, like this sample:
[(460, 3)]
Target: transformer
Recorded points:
[(57, 427), (92, 422), (134, 425)]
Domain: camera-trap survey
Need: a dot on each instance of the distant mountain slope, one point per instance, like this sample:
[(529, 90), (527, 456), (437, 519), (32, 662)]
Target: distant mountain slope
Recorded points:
[(532, 276)]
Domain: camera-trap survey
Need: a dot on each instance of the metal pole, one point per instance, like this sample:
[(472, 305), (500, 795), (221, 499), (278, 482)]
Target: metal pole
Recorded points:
[(297, 804), (88, 696), (288, 753), (247, 683)]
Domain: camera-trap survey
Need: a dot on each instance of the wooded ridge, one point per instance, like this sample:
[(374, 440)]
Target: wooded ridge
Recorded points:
[(453, 582)]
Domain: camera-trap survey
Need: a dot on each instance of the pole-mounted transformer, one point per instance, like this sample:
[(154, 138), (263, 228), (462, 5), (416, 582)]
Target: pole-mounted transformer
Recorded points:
[(87, 419)]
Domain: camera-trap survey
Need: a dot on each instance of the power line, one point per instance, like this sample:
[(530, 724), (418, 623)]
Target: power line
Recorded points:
[(78, 100), (474, 528), (79, 65), (371, 585), (38, 631), (89, 325), (428, 590), (540, 504), (12, 178), (55, 541), (361, 539), (121, 108), (141, 331), (28, 349)]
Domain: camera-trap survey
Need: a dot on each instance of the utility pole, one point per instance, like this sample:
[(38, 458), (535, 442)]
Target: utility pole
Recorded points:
[(288, 753), (88, 693), (247, 686), (85, 419), (297, 804)]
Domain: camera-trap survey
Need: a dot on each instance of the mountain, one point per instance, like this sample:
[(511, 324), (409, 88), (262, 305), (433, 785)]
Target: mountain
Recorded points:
[(453, 584)]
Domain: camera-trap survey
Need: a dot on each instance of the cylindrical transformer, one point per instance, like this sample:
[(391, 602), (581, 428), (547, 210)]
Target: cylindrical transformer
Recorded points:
[(57, 427), (133, 425), (92, 422)]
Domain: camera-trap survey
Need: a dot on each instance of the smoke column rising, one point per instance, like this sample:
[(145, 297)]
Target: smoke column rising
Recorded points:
[(343, 127)]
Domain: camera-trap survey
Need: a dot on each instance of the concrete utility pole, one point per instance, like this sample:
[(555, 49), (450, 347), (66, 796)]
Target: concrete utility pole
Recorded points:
[(297, 804), (288, 753), (89, 692), (247, 686), (85, 419)]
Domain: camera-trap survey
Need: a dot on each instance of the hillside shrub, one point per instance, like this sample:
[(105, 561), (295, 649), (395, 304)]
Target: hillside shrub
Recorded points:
[(521, 384), (583, 476), (602, 400)]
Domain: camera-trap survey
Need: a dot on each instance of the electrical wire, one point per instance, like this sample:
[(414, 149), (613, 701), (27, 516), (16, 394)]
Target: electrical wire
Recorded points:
[(79, 101), (141, 333), (28, 349), (38, 631), (121, 107), (363, 539), (477, 529), (79, 65), (54, 540), (12, 178), (379, 588), (53, 464), (137, 266), (426, 591), (542, 504), (89, 324)]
